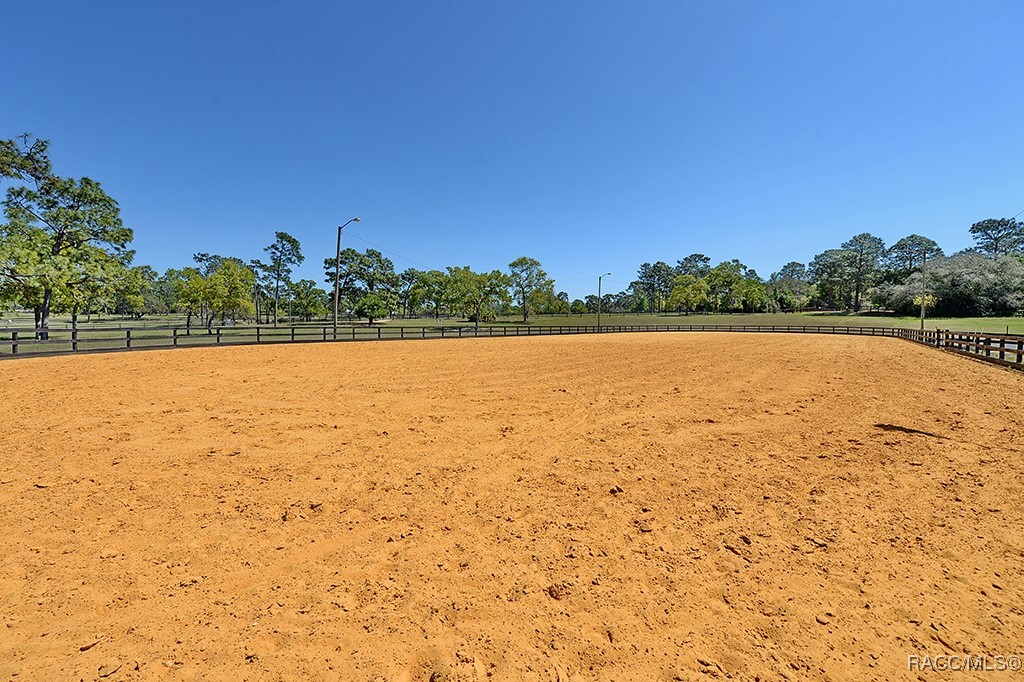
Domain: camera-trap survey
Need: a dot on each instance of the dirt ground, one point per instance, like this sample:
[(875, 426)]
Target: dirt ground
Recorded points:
[(623, 507)]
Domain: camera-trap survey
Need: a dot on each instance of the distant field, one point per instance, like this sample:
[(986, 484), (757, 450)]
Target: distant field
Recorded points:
[(1011, 325), (630, 507)]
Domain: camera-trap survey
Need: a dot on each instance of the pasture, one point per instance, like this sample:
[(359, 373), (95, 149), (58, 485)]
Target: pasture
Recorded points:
[(630, 507)]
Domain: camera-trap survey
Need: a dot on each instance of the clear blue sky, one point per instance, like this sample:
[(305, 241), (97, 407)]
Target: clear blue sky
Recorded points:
[(592, 135)]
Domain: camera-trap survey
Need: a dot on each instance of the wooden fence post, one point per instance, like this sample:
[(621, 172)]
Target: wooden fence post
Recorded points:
[(218, 334), (293, 333), (174, 336), (74, 340), (127, 338), (14, 343)]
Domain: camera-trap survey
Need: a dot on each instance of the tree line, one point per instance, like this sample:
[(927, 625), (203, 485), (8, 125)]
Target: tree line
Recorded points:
[(64, 249), (983, 280)]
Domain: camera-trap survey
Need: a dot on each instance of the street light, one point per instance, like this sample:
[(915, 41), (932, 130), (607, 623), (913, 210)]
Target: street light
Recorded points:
[(607, 274), (924, 260), (337, 274)]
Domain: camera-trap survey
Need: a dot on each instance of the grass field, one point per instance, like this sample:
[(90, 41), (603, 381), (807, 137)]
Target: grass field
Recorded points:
[(1012, 325), (629, 507)]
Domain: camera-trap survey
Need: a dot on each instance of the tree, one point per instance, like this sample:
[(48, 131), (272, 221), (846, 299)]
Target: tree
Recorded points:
[(689, 294), (577, 307), (965, 284), (433, 287), (905, 256), (866, 252), (133, 292), (54, 228), (478, 292), (227, 291), (830, 272), (790, 287), (308, 299), (190, 286), (26, 159), (104, 280), (696, 264), (999, 236), (364, 273), (372, 307), (526, 279), (725, 285), (408, 291), (284, 253), (165, 290), (656, 282)]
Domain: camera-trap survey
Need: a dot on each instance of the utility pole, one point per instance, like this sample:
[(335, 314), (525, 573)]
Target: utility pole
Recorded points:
[(924, 260), (599, 299), (337, 274)]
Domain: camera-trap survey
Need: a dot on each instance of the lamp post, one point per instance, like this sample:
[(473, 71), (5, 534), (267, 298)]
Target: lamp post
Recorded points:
[(924, 260), (599, 299), (337, 274)]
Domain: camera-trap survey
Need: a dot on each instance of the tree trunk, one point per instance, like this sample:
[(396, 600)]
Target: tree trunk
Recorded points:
[(277, 292), (44, 314)]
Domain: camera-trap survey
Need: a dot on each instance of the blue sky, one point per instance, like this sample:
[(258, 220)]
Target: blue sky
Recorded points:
[(592, 135)]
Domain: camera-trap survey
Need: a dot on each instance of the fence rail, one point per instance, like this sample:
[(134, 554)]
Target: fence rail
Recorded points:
[(1003, 349)]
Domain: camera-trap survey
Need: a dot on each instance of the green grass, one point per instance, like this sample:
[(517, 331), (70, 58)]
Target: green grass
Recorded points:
[(1013, 325)]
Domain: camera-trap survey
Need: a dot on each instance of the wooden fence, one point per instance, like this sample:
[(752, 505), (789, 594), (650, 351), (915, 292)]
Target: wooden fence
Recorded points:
[(1003, 349)]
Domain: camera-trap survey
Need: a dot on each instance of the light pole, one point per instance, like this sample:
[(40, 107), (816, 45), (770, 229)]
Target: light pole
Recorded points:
[(337, 274), (607, 274), (924, 260)]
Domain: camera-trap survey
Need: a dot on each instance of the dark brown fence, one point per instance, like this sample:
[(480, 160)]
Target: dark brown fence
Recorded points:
[(1004, 349)]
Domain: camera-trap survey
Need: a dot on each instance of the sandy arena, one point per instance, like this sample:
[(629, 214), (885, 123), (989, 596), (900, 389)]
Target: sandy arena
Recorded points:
[(623, 507)]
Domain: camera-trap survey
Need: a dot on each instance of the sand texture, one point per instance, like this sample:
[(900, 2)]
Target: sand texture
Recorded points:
[(625, 507)]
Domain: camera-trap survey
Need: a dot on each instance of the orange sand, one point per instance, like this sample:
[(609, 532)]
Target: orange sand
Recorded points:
[(784, 507)]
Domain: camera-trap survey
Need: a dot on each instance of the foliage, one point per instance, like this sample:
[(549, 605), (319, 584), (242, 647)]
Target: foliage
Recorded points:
[(864, 255), (528, 284), (477, 293), (655, 282), (284, 253), (964, 284), (831, 273), (999, 236), (696, 264), (789, 288), (690, 293), (308, 300), (906, 255), (372, 307), (62, 237)]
